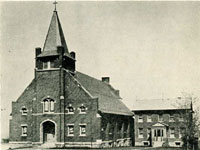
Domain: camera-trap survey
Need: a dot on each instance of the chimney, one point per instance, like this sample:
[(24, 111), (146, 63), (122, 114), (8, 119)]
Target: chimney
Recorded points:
[(105, 79), (37, 51), (117, 92), (73, 54)]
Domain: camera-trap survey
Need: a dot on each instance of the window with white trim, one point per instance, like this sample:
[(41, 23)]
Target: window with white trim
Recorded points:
[(51, 105), (24, 110), (181, 117), (70, 130), (172, 132), (140, 133), (171, 118), (82, 109), (46, 65), (160, 117), (149, 118), (48, 105), (140, 118), (70, 109), (24, 130), (82, 129), (181, 132)]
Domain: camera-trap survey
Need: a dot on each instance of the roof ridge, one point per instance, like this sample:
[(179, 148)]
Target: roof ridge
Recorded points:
[(79, 83), (27, 88), (107, 84)]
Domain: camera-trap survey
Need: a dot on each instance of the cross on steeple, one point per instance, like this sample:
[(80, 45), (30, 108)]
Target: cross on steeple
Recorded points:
[(55, 3)]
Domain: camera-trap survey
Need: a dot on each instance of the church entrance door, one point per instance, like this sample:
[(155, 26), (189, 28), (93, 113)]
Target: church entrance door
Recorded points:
[(48, 132)]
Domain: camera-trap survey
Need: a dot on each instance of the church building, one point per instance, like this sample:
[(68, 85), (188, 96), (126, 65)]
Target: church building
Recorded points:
[(66, 107)]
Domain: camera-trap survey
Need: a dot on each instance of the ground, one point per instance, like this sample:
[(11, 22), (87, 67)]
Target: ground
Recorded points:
[(6, 147)]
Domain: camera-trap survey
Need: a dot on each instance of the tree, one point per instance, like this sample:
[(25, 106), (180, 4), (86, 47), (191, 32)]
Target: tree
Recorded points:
[(191, 117)]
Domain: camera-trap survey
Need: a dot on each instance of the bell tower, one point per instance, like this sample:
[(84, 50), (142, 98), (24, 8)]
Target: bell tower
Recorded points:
[(55, 53)]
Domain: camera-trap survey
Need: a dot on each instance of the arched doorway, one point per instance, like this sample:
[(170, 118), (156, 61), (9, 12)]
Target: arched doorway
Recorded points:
[(49, 133)]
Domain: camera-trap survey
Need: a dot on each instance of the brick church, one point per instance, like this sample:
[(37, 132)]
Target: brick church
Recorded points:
[(66, 107)]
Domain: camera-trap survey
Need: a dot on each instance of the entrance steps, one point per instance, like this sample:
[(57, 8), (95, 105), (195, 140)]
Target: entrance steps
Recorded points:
[(47, 145), (157, 143)]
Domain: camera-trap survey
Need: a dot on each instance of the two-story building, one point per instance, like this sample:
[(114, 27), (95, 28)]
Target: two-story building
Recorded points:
[(159, 122)]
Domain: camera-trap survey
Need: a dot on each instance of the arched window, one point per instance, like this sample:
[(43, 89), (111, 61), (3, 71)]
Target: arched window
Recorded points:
[(24, 110), (48, 105), (70, 109), (51, 105), (82, 109)]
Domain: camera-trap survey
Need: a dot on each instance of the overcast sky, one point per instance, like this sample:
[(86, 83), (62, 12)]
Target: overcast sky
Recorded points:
[(148, 49)]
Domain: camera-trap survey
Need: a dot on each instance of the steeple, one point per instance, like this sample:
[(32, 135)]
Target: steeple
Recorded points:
[(55, 53), (55, 36)]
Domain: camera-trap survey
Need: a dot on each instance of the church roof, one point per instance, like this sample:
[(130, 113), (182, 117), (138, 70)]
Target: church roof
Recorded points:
[(109, 101), (55, 37)]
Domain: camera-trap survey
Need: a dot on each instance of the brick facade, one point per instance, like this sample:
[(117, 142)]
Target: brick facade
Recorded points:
[(168, 122), (68, 108)]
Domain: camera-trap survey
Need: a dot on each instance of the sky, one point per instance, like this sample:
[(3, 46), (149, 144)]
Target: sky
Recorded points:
[(150, 50)]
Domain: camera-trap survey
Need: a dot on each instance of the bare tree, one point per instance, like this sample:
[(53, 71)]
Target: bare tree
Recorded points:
[(191, 128)]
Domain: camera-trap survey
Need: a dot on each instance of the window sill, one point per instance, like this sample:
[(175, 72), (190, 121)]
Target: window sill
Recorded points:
[(82, 113), (24, 114), (69, 113), (70, 135), (48, 112), (24, 135)]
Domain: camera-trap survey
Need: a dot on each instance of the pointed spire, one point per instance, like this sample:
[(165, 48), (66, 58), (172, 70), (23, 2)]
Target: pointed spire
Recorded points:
[(55, 36)]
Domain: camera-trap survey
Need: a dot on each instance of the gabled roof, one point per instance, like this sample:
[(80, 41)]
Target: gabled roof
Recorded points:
[(159, 124), (109, 101), (161, 104), (55, 36)]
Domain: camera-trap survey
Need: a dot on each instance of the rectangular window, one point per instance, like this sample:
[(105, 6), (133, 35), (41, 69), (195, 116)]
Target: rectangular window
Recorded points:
[(181, 132), (140, 118), (51, 64), (140, 133), (149, 118), (45, 65), (24, 130), (171, 117), (172, 132), (83, 130), (160, 117), (70, 130), (181, 117)]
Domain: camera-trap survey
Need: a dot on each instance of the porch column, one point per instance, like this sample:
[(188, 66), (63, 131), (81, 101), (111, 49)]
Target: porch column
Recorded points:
[(115, 132), (107, 131), (128, 130), (122, 131)]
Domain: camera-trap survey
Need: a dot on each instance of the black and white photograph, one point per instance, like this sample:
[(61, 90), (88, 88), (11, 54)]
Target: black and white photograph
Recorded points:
[(112, 75)]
